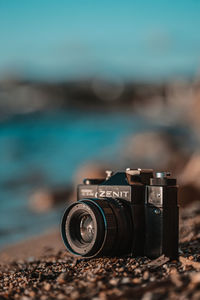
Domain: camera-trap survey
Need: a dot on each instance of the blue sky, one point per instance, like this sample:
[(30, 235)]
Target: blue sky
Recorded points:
[(140, 39)]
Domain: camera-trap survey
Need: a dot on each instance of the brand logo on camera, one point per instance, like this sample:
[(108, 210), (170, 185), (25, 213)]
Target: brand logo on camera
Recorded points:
[(105, 193)]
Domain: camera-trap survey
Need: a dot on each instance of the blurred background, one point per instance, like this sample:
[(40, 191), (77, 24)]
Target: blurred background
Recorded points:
[(87, 86)]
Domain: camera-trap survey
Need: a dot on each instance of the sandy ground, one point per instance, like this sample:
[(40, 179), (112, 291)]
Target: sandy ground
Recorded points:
[(33, 248), (42, 269)]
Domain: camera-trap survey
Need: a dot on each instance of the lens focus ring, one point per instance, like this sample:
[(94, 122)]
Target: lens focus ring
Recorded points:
[(111, 226)]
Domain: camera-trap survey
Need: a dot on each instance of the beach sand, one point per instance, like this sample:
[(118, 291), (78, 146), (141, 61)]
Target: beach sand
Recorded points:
[(41, 268), (33, 247)]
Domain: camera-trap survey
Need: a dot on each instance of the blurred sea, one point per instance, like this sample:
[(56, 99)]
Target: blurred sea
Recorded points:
[(45, 149)]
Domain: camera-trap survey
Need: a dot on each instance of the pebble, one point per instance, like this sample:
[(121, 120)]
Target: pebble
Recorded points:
[(61, 296), (136, 280), (175, 277), (43, 297), (47, 286), (137, 271), (146, 275), (114, 281), (32, 294), (75, 295), (147, 296), (120, 269), (194, 280), (125, 280), (62, 278), (25, 298)]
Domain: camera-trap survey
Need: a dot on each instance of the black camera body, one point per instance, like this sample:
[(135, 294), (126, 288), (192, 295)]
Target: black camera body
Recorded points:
[(128, 213)]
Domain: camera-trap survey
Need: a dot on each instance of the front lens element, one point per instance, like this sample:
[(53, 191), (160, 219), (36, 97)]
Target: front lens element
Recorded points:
[(87, 228)]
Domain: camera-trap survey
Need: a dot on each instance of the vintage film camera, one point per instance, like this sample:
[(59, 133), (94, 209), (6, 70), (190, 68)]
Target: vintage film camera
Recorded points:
[(127, 213)]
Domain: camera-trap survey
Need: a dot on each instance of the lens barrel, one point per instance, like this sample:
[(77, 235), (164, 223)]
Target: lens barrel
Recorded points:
[(97, 227)]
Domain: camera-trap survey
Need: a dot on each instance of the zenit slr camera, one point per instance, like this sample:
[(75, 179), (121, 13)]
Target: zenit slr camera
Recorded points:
[(127, 213)]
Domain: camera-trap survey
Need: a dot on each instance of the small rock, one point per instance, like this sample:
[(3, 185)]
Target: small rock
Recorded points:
[(175, 277), (25, 298), (125, 280), (43, 297), (120, 269), (61, 296), (195, 280), (47, 286), (75, 295), (147, 296), (62, 278), (136, 280), (103, 296), (32, 294), (146, 275), (114, 281), (137, 271)]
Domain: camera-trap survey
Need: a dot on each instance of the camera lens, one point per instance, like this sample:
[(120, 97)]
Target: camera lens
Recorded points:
[(94, 227), (83, 228)]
